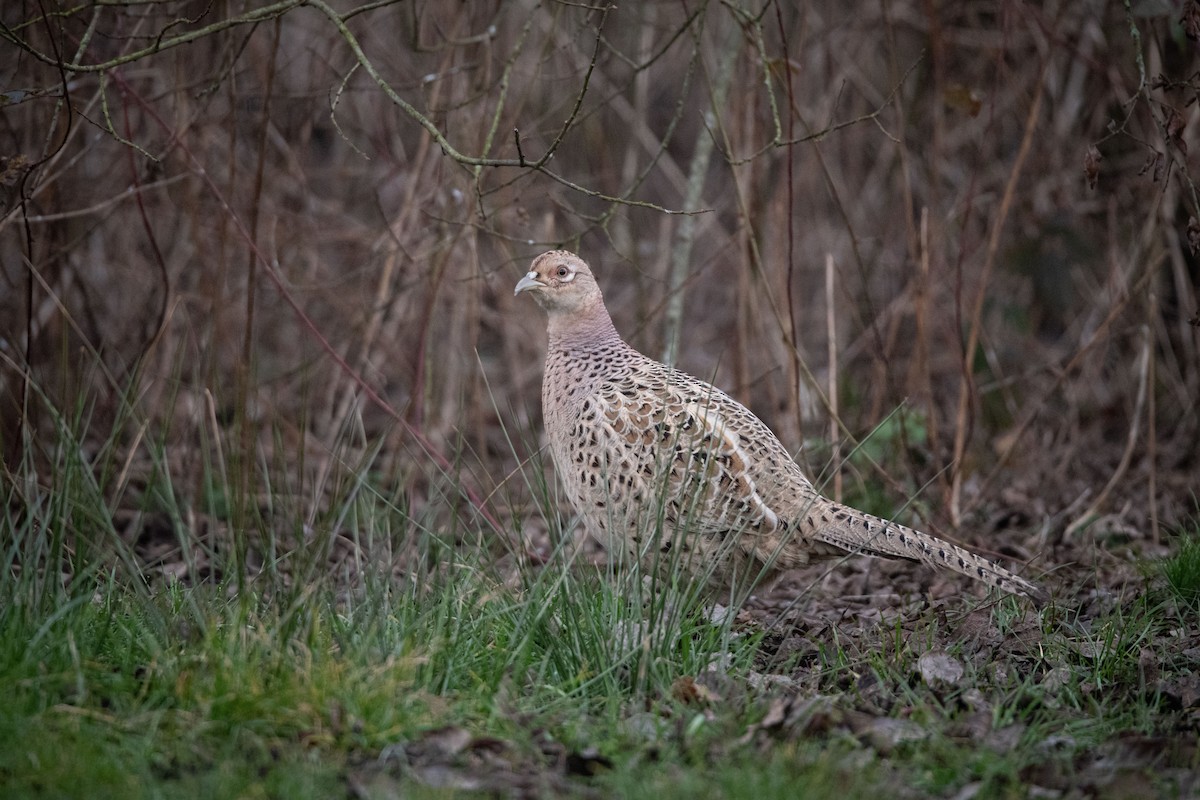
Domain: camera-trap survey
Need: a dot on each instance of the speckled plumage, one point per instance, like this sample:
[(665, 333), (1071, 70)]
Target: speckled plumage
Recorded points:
[(663, 467)]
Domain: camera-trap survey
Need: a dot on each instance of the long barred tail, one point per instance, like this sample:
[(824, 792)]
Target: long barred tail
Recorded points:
[(856, 532)]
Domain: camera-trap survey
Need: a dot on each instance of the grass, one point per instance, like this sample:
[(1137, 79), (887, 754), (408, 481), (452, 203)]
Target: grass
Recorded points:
[(432, 660), (1182, 570)]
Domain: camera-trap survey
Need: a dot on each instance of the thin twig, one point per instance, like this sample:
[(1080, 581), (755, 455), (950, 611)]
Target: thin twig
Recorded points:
[(1131, 439), (966, 386), (281, 287), (681, 253), (831, 334), (252, 17)]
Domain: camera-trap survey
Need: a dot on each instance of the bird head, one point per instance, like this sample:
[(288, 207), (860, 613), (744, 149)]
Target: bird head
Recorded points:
[(560, 282)]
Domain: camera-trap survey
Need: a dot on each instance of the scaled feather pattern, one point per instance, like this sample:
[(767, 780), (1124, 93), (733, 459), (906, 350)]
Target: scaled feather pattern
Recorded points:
[(665, 468)]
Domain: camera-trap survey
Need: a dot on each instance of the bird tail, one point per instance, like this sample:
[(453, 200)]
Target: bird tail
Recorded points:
[(856, 532)]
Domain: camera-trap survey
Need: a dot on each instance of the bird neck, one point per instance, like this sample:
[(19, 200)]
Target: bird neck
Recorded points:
[(584, 328)]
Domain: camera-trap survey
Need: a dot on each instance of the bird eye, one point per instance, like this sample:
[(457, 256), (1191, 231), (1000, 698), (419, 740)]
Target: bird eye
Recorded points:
[(562, 272)]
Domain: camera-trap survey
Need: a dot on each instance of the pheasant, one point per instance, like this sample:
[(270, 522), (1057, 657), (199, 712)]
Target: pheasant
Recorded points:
[(664, 468)]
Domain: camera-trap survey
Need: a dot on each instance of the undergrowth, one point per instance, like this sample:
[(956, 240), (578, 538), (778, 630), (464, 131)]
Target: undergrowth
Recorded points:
[(349, 644), (1182, 570)]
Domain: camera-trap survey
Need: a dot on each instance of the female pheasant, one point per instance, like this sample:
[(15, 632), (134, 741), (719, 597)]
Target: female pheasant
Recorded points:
[(665, 468)]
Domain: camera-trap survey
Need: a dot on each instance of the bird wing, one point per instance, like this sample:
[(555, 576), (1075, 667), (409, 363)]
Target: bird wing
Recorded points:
[(679, 451)]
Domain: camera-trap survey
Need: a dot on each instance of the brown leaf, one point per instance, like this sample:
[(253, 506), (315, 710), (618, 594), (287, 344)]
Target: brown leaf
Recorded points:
[(1190, 20), (1184, 690), (798, 715), (939, 669), (1055, 679), (1091, 166), (445, 743), (687, 690), (886, 734), (777, 713), (1148, 665), (778, 65), (1175, 124), (1005, 740), (963, 98), (1155, 164)]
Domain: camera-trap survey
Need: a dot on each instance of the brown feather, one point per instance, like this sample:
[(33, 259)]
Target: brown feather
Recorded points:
[(656, 461)]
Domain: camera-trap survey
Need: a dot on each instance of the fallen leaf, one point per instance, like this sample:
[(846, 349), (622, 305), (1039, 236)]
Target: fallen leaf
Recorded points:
[(939, 669), (776, 713), (687, 690), (886, 734), (1056, 679), (445, 743), (1185, 690)]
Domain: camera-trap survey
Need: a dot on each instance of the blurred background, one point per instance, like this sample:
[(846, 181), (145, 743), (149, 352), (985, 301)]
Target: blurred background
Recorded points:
[(949, 248)]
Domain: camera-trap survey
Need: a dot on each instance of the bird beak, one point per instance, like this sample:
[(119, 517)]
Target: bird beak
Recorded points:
[(530, 281)]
